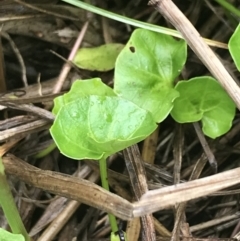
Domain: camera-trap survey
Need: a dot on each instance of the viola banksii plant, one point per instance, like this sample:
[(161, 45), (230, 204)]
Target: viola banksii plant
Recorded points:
[(94, 121)]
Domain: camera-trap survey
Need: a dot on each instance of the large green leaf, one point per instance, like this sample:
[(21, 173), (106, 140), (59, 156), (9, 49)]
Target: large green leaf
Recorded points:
[(94, 126), (81, 88), (7, 236), (234, 47), (204, 99), (146, 68), (100, 58)]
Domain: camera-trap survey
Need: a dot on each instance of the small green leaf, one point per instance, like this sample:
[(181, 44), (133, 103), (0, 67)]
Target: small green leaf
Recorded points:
[(115, 236), (204, 99), (7, 236), (146, 68), (101, 58), (81, 88), (93, 126), (234, 47)]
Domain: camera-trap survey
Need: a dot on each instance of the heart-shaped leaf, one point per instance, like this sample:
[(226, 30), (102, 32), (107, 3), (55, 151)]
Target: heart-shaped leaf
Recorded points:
[(7, 236), (204, 99), (234, 47), (81, 88), (93, 127), (100, 58), (146, 68)]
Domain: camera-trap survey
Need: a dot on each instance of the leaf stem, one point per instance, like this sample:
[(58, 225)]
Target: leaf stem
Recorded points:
[(136, 23), (124, 19), (46, 151), (229, 7), (9, 207), (104, 179)]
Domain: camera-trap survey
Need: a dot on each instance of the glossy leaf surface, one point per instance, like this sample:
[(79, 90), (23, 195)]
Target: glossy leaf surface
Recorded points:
[(100, 58), (146, 68), (204, 99), (94, 126), (234, 47), (81, 88)]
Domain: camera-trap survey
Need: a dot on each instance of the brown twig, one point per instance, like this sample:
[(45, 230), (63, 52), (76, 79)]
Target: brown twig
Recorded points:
[(66, 68), (25, 129), (178, 153), (54, 182), (31, 109), (135, 167), (41, 10), (63, 217), (206, 148), (98, 197), (18, 55)]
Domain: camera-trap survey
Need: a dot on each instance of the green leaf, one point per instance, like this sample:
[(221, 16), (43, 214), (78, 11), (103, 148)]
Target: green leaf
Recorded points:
[(7, 236), (204, 99), (101, 58), (9, 208), (146, 68), (115, 236), (81, 88), (234, 47), (94, 126)]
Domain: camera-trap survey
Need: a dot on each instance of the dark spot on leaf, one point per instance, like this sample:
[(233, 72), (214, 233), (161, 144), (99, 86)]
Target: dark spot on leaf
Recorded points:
[(132, 49)]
